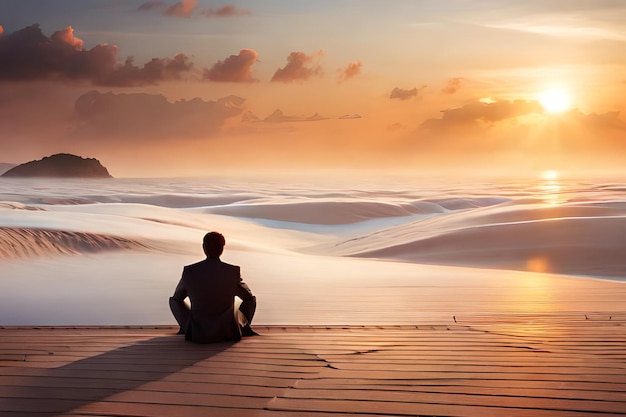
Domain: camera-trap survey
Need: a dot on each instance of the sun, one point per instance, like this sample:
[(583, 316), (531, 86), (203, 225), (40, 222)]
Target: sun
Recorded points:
[(549, 175), (555, 101)]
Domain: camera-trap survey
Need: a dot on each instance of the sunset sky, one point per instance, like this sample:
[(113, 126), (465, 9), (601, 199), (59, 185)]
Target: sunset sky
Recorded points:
[(167, 88)]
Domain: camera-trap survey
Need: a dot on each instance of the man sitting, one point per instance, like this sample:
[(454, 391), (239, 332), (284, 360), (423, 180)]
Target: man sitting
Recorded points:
[(211, 286)]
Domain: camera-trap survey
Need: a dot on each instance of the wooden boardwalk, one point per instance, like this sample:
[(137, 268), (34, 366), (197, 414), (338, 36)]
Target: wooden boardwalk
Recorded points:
[(508, 365)]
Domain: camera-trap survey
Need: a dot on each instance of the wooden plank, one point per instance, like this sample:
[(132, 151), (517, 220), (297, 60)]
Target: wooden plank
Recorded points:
[(181, 398), (159, 410), (531, 365), (476, 400), (32, 384), (37, 405), (493, 375), (411, 384), (462, 387), (444, 368), (405, 409)]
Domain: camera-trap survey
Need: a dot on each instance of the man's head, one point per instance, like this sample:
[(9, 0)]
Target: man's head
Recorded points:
[(213, 244)]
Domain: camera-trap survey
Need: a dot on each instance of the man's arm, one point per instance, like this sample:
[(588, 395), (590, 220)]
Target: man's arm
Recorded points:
[(180, 293), (248, 306), (243, 291), (179, 308)]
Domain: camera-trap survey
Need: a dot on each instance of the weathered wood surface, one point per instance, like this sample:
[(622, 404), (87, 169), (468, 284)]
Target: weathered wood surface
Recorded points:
[(490, 365)]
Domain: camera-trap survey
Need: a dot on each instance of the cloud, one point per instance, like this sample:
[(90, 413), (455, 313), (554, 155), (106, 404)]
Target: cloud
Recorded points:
[(136, 116), (279, 117), (300, 67), (249, 117), (397, 126), (481, 114), (152, 5), (565, 26), (452, 86), (153, 71), (183, 8), (352, 70), (521, 130), (235, 68), (598, 122), (401, 94), (478, 111), (225, 11), (67, 36), (28, 54)]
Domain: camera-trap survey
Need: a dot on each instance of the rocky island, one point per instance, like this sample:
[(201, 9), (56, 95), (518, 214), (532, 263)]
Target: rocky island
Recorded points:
[(61, 165)]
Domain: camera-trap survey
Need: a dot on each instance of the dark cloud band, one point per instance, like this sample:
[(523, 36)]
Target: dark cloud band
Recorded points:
[(30, 55)]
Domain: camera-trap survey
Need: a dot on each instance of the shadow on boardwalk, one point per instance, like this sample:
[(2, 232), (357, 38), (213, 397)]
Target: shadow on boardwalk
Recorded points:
[(53, 391)]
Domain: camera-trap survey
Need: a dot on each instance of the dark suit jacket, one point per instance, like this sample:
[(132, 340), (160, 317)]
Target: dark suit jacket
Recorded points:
[(211, 286)]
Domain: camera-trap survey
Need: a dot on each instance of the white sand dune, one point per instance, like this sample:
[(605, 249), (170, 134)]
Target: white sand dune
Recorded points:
[(321, 212), (22, 242), (585, 239), (431, 249), (568, 246), (580, 238)]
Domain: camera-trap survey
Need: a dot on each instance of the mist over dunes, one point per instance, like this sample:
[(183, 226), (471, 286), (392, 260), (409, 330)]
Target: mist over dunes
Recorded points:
[(305, 247), (569, 232)]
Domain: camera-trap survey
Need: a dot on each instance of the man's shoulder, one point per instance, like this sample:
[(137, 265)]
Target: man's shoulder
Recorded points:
[(228, 269), (209, 263), (196, 265), (230, 266)]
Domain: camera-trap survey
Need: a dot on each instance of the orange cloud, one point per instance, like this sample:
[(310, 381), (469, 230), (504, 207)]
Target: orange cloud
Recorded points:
[(225, 11), (29, 55), (478, 111), (67, 36), (300, 67), (402, 94), (279, 117), (598, 122), (183, 8), (518, 133), (352, 70), (236, 68), (452, 86)]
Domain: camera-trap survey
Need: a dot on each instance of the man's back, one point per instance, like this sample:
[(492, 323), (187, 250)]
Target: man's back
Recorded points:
[(211, 286)]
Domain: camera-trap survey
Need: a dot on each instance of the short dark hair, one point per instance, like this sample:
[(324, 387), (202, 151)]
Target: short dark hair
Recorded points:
[(213, 244)]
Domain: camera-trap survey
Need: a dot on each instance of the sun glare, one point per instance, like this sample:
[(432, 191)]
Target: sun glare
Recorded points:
[(549, 175), (551, 193), (555, 101)]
